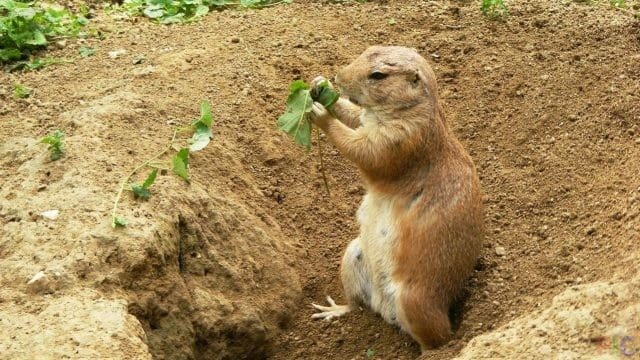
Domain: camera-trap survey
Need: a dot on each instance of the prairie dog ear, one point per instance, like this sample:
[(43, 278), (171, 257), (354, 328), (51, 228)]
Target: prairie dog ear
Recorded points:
[(418, 77)]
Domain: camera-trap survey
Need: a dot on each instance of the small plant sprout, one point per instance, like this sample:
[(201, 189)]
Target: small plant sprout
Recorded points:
[(54, 140), (20, 91), (370, 353), (142, 190), (201, 128), (494, 9), (86, 51)]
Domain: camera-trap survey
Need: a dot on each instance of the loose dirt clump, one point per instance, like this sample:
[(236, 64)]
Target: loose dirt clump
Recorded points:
[(547, 102)]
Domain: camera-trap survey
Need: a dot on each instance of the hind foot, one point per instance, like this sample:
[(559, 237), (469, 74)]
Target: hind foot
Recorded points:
[(330, 312)]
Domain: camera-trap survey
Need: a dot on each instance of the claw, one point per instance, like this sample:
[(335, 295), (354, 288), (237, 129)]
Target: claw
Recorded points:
[(330, 312)]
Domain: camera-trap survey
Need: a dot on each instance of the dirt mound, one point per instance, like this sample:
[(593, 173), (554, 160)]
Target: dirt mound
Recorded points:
[(201, 273), (546, 102), (592, 321)]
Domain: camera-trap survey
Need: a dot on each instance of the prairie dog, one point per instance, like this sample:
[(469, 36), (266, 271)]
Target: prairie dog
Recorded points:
[(421, 218)]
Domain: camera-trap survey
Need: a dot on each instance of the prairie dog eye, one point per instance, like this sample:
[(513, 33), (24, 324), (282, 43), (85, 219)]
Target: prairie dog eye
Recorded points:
[(377, 75)]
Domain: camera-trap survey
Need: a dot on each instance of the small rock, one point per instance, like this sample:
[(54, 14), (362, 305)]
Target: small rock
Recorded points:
[(39, 284), (591, 230), (138, 60), (50, 214), (235, 39), (117, 53), (500, 251), (60, 44), (149, 69)]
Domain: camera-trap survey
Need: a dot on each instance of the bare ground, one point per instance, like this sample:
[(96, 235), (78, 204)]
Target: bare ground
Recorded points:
[(547, 103)]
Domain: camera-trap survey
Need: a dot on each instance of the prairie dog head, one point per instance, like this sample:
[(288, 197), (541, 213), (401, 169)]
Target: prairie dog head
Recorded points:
[(388, 78)]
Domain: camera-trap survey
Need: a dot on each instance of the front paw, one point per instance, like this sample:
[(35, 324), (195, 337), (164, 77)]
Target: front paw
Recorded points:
[(320, 115), (317, 82)]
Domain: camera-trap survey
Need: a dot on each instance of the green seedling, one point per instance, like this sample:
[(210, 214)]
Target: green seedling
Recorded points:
[(370, 353), (494, 9), (86, 51), (20, 91), (142, 190), (179, 161), (54, 140), (26, 26)]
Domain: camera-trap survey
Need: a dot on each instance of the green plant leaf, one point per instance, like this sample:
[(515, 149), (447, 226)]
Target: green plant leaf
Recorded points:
[(153, 12), (370, 353), (118, 222), (201, 10), (87, 51), (325, 95), (205, 113), (140, 191), (150, 179), (54, 140), (295, 121), (200, 138), (37, 38), (181, 163), (494, 9), (20, 91)]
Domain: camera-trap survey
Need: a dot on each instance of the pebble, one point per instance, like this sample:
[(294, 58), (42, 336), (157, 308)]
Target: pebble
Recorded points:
[(117, 53), (50, 214), (39, 284), (500, 251)]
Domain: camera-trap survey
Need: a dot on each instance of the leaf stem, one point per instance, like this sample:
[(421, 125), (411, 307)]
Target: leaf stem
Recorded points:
[(324, 176), (123, 184)]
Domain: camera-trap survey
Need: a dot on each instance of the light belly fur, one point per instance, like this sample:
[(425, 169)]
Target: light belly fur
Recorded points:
[(377, 240)]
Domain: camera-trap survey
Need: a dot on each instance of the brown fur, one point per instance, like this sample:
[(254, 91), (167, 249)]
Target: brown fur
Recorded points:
[(407, 154)]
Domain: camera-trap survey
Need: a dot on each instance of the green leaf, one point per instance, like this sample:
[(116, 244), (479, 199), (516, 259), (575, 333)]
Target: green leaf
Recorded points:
[(325, 95), (297, 85), (205, 113), (181, 163), (87, 51), (54, 140), (37, 38), (201, 10), (200, 138), (21, 91), (118, 222), (295, 121), (370, 353), (150, 179), (140, 191), (153, 12)]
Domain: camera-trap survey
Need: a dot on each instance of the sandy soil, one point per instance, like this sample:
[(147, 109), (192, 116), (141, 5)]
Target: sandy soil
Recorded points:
[(547, 103)]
